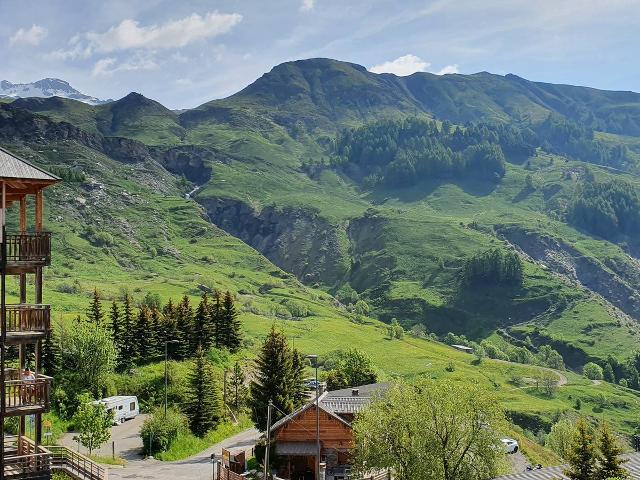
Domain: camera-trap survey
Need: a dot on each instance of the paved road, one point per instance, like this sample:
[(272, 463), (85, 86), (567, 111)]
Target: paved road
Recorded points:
[(198, 467), (126, 436)]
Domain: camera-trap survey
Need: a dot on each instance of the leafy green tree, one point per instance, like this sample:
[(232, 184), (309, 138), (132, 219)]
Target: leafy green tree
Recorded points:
[(560, 438), (353, 368), (203, 407), (159, 431), (93, 424), (593, 371), (610, 463), (608, 374), (582, 454), (440, 430), (95, 314), (273, 380), (87, 356)]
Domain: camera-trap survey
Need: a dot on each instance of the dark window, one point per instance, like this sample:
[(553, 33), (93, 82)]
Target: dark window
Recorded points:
[(132, 407)]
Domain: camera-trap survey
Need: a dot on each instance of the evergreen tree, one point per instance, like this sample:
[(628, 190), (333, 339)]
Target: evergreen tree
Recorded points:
[(184, 320), (582, 455), (232, 335), (128, 345), (610, 463), (156, 333), (116, 327), (238, 387), (203, 407), (200, 324), (170, 323), (273, 380), (216, 320), (95, 314), (142, 332), (609, 376), (50, 355), (298, 364)]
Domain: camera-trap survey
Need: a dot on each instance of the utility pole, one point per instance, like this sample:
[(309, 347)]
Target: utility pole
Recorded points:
[(224, 390), (315, 364), (236, 380), (266, 453)]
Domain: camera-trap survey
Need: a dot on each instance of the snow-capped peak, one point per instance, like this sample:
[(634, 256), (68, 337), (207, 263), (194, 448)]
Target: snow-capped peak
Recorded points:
[(47, 87)]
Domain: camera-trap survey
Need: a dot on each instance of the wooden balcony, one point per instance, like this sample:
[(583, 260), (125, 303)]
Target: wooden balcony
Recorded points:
[(26, 396), (26, 251), (26, 461), (27, 322)]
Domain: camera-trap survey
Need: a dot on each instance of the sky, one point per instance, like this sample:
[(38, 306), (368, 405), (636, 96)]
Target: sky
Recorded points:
[(184, 53)]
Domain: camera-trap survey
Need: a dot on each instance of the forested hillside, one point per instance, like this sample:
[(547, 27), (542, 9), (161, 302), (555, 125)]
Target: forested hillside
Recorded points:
[(413, 194)]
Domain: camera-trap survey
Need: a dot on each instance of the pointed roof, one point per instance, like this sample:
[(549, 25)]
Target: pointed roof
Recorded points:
[(306, 407), (16, 168)]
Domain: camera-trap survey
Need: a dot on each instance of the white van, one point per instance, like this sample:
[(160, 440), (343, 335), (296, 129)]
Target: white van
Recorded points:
[(123, 407)]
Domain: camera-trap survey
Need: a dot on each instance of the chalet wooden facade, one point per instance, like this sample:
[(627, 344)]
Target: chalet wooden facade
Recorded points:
[(295, 435)]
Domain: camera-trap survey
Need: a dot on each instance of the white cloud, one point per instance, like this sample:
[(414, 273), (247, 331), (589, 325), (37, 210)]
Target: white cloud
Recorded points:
[(128, 34), (307, 5), (409, 64), (32, 36), (447, 70), (108, 66), (401, 66)]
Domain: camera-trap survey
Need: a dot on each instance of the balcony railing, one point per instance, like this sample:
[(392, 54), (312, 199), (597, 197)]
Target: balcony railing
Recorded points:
[(31, 462), (26, 393), (28, 318), (29, 248), (78, 466)]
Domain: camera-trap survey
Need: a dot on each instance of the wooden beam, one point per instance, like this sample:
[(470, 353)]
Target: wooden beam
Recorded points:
[(39, 210)]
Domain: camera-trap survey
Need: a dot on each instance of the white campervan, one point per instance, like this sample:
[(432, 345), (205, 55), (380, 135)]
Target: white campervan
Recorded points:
[(123, 407)]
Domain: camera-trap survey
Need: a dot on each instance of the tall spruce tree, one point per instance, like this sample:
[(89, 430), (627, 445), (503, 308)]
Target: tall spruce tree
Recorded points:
[(116, 327), (142, 336), (170, 323), (273, 380), (50, 355), (199, 331), (128, 342), (184, 319), (95, 314), (582, 454), (216, 319), (298, 364), (238, 388), (156, 333), (232, 334), (203, 407), (610, 463)]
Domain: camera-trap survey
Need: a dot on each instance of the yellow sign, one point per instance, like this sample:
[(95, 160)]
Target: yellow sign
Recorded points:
[(46, 424)]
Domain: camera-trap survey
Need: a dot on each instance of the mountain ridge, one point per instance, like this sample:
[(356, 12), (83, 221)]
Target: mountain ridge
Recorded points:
[(46, 88)]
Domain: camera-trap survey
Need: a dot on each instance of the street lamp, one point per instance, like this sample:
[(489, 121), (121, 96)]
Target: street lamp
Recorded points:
[(314, 358), (166, 376)]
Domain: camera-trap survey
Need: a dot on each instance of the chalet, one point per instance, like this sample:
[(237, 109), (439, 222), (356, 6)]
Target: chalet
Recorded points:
[(294, 436)]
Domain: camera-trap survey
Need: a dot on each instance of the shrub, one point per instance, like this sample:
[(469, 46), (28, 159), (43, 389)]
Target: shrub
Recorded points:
[(593, 371), (159, 432), (296, 309)]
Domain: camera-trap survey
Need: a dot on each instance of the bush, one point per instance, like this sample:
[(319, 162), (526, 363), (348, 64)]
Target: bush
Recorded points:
[(295, 308), (593, 371), (159, 432)]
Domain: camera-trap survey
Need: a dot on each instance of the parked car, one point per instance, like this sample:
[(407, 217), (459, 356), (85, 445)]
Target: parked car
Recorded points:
[(123, 407), (311, 384), (510, 445)]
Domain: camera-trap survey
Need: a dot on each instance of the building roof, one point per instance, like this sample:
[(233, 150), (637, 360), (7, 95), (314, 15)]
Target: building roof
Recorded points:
[(296, 448), (14, 167), (556, 473), (304, 408)]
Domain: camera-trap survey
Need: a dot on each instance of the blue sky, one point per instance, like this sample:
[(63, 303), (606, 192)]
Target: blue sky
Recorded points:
[(184, 53)]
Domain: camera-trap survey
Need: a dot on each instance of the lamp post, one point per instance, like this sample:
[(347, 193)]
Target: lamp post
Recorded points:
[(314, 358), (166, 376)]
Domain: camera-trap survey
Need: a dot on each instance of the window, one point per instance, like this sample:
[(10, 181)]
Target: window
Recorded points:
[(132, 406), (119, 407)]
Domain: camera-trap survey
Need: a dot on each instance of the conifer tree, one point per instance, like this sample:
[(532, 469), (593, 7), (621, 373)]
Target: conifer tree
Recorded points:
[(170, 323), (232, 335), (610, 463), (128, 346), (184, 320), (116, 327), (142, 334), (298, 363), (200, 324), (216, 322), (95, 314), (273, 380), (50, 355), (203, 407), (238, 387), (156, 333), (582, 455)]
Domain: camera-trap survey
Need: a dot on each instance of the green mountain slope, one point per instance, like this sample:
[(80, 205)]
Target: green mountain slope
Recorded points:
[(261, 158)]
